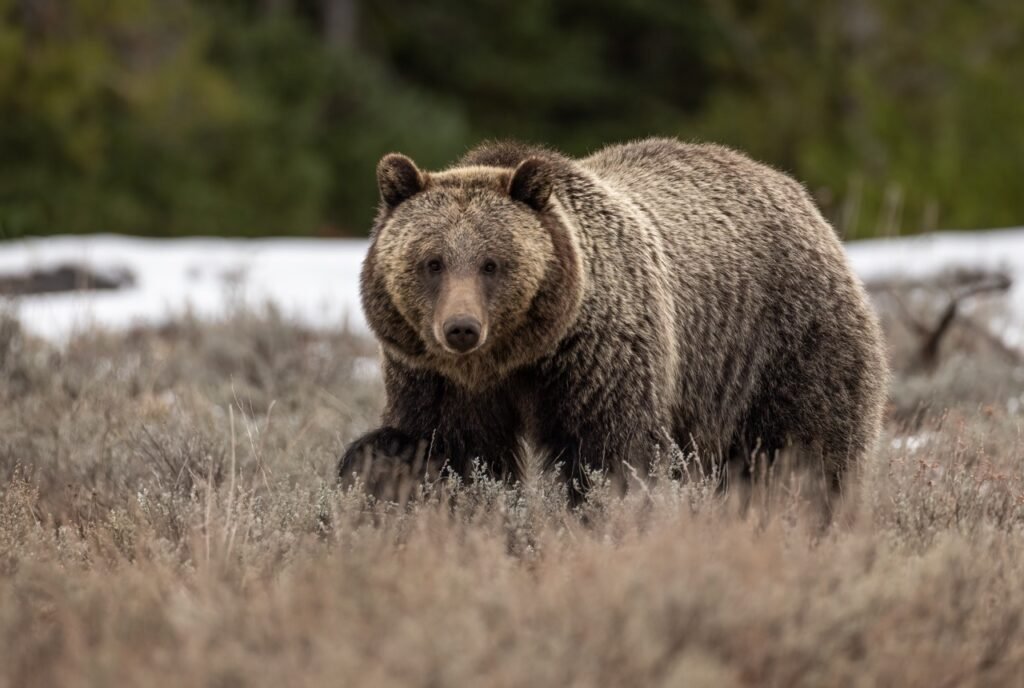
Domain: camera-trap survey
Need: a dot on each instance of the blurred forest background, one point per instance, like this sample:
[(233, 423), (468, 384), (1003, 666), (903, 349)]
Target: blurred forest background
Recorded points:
[(258, 117)]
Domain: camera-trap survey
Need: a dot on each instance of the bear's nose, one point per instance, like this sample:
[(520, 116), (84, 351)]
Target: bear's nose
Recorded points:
[(462, 332)]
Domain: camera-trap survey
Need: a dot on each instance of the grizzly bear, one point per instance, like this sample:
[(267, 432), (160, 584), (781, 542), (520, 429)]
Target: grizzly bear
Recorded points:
[(602, 310)]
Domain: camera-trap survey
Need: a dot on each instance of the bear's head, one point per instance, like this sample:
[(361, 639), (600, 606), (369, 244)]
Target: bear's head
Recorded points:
[(472, 272)]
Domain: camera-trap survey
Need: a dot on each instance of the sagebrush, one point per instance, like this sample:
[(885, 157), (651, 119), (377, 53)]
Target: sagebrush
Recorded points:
[(168, 516)]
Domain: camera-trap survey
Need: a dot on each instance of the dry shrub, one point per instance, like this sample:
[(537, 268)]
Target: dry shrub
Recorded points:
[(168, 516)]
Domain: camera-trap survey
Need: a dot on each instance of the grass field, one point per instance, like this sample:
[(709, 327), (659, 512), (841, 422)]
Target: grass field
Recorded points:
[(168, 516)]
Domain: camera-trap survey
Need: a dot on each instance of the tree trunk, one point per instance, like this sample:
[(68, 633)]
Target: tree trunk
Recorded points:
[(339, 22)]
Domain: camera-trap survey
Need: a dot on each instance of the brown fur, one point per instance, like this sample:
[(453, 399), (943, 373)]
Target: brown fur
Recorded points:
[(652, 293)]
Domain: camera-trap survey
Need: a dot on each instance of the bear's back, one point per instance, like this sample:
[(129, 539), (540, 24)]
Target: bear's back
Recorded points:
[(667, 176)]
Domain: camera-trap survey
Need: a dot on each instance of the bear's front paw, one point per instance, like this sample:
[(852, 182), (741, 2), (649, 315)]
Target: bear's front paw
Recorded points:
[(387, 461)]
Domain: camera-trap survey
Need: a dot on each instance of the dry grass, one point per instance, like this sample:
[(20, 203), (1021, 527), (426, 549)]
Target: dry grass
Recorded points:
[(168, 517)]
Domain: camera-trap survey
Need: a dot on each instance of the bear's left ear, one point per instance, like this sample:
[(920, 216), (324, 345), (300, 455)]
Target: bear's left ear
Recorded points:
[(531, 183), (398, 178)]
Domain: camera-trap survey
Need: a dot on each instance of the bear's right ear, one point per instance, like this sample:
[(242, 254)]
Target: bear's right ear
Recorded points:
[(531, 183), (398, 178)]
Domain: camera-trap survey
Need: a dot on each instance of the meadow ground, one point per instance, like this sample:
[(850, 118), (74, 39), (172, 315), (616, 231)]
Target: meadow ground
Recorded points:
[(168, 516)]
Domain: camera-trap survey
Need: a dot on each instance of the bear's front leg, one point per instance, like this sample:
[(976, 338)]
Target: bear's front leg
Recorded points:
[(609, 425), (388, 460), (400, 450), (600, 450), (430, 425)]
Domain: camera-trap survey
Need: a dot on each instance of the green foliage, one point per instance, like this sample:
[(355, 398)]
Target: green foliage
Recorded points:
[(901, 116), (256, 117), (574, 73)]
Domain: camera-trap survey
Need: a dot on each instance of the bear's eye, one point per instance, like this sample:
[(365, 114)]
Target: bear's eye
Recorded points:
[(434, 266), (490, 267)]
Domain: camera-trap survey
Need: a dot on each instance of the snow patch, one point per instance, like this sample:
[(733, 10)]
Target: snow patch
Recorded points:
[(316, 281), (928, 254), (313, 281), (912, 443)]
